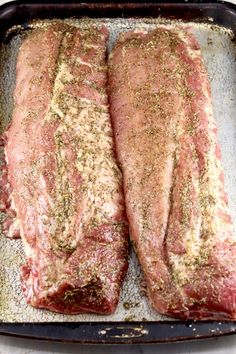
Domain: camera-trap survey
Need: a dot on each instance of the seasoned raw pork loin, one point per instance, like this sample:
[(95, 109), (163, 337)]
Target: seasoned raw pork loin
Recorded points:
[(66, 186), (174, 186)]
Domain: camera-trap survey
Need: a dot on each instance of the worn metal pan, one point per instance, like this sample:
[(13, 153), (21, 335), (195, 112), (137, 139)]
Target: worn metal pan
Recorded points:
[(219, 52)]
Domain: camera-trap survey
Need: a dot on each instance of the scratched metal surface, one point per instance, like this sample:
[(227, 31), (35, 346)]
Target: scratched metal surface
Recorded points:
[(219, 56)]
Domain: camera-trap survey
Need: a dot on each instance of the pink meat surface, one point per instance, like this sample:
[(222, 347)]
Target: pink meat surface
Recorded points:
[(66, 186), (166, 142)]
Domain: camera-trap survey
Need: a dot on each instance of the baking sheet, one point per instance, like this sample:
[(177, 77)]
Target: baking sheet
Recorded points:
[(219, 56)]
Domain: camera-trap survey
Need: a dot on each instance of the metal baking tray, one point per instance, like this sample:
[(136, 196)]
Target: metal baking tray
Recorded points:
[(134, 321)]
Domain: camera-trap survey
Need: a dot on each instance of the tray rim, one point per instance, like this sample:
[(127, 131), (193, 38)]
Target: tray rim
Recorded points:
[(119, 332), (138, 332)]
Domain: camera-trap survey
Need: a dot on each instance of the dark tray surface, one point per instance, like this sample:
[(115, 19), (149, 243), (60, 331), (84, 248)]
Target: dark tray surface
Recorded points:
[(20, 13)]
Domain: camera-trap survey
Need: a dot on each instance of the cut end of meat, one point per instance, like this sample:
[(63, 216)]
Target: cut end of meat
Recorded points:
[(92, 275), (217, 306), (68, 300)]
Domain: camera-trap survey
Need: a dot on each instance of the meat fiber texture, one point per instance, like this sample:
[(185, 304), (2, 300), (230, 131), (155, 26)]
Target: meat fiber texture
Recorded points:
[(166, 142), (64, 184)]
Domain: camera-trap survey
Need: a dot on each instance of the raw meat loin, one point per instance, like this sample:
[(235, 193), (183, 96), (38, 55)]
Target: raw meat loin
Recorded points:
[(66, 186), (166, 142)]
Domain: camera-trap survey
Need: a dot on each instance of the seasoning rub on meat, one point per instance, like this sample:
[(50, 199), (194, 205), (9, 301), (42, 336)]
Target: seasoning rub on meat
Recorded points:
[(66, 186), (174, 186)]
